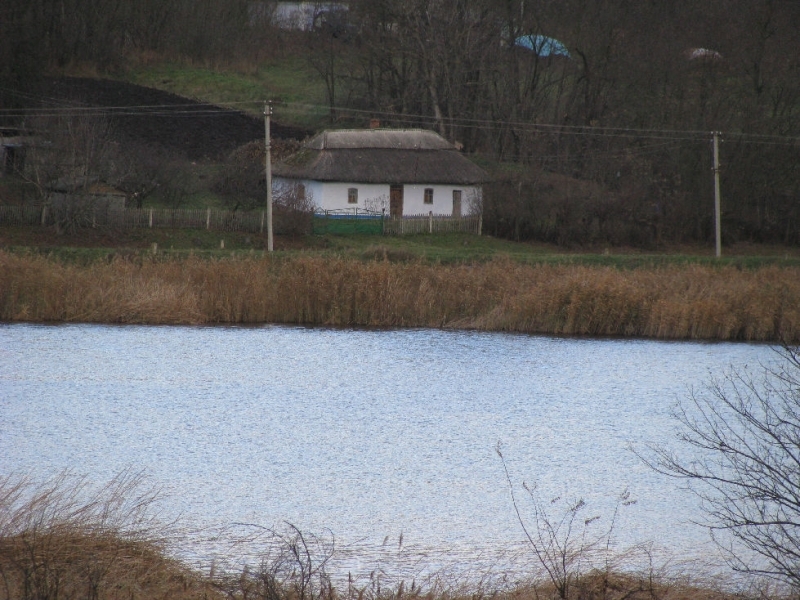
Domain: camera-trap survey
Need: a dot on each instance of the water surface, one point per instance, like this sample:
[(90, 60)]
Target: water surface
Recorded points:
[(371, 434)]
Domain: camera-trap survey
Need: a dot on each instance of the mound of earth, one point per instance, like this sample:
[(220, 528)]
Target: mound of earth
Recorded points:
[(153, 117)]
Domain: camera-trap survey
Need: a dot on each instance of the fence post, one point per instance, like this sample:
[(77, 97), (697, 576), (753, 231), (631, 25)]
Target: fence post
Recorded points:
[(261, 229), (208, 219), (480, 224), (150, 220), (430, 221), (44, 215)]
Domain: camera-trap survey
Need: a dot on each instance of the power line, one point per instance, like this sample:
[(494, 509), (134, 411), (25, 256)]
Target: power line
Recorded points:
[(585, 130), (190, 109)]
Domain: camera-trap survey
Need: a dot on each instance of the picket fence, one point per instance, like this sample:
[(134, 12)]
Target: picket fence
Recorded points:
[(429, 223), (140, 218), (245, 221), (20, 215)]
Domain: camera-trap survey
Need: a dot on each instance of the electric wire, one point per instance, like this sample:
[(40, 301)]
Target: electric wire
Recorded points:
[(208, 109)]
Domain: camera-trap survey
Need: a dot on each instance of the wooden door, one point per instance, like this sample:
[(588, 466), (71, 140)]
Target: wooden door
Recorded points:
[(456, 203), (396, 201)]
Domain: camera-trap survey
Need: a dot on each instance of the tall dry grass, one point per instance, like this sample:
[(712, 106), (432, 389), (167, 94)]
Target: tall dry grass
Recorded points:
[(675, 302), (66, 539)]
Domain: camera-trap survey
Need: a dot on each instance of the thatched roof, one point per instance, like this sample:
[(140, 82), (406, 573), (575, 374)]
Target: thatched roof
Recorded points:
[(401, 156)]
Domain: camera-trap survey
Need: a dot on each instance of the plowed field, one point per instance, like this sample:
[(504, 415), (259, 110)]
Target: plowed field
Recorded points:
[(152, 117)]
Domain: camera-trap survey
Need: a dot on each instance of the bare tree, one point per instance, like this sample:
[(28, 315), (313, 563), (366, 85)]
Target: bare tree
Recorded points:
[(562, 540), (70, 156), (740, 453), (294, 210)]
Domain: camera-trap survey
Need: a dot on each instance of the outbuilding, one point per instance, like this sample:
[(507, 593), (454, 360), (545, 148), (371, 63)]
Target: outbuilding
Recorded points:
[(400, 172)]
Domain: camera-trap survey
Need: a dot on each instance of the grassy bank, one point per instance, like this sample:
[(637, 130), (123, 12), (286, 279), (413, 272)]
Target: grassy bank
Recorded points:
[(667, 302), (296, 89), (66, 539), (442, 248)]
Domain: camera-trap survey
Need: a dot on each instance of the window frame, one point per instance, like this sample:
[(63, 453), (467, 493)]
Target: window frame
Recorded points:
[(427, 196), (352, 195)]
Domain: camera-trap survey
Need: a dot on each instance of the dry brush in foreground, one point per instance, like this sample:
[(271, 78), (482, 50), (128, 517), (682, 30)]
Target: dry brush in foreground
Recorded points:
[(674, 302), (67, 540)]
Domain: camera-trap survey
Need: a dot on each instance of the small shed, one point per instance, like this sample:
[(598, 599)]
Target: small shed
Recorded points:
[(397, 171), (12, 154), (300, 15), (78, 192)]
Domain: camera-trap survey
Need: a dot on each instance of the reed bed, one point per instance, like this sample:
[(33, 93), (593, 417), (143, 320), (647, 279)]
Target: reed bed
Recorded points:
[(669, 302)]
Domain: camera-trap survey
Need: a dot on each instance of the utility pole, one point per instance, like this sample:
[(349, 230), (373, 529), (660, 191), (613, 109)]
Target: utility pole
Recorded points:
[(267, 115), (717, 203)]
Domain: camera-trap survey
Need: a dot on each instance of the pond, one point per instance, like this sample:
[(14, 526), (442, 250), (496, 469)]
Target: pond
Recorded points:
[(387, 439)]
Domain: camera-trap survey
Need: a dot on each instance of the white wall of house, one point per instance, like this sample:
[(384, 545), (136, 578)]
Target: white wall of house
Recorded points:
[(414, 199), (301, 15), (328, 195), (295, 15)]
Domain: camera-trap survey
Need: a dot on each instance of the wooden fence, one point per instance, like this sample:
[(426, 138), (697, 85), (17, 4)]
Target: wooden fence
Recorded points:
[(20, 215), (347, 221), (133, 218), (245, 221), (432, 224)]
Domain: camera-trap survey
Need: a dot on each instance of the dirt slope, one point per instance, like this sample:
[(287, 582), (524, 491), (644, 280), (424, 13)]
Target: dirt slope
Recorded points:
[(177, 124)]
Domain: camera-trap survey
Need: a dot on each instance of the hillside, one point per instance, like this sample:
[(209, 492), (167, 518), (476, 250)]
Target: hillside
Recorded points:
[(177, 124)]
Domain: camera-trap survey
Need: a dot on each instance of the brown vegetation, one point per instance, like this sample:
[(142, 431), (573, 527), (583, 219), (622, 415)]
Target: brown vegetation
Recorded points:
[(66, 540), (673, 302)]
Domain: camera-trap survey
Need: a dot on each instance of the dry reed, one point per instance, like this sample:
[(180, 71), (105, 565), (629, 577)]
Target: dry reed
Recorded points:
[(675, 302), (67, 540)]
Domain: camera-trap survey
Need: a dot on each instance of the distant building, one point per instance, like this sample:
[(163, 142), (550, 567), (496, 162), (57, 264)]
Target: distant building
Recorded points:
[(300, 16), (12, 154), (398, 171), (86, 194), (703, 54)]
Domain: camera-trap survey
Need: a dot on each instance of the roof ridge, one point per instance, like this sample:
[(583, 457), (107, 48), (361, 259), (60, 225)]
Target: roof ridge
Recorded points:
[(337, 139)]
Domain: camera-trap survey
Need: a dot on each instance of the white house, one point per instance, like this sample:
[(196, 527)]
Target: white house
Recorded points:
[(299, 15), (400, 171)]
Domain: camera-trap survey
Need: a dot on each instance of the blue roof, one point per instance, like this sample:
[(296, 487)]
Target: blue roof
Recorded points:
[(542, 45)]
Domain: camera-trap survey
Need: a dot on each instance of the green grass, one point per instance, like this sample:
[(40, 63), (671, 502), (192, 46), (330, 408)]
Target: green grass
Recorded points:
[(467, 248), (453, 248), (288, 82)]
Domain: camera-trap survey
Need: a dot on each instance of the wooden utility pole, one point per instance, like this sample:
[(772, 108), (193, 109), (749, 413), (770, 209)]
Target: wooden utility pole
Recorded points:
[(717, 203), (267, 115)]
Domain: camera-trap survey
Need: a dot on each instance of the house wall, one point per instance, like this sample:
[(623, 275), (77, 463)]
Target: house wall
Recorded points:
[(12, 154), (414, 199), (301, 15), (334, 196)]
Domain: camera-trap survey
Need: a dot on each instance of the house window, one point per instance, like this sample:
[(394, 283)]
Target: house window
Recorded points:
[(428, 196), (352, 195)]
